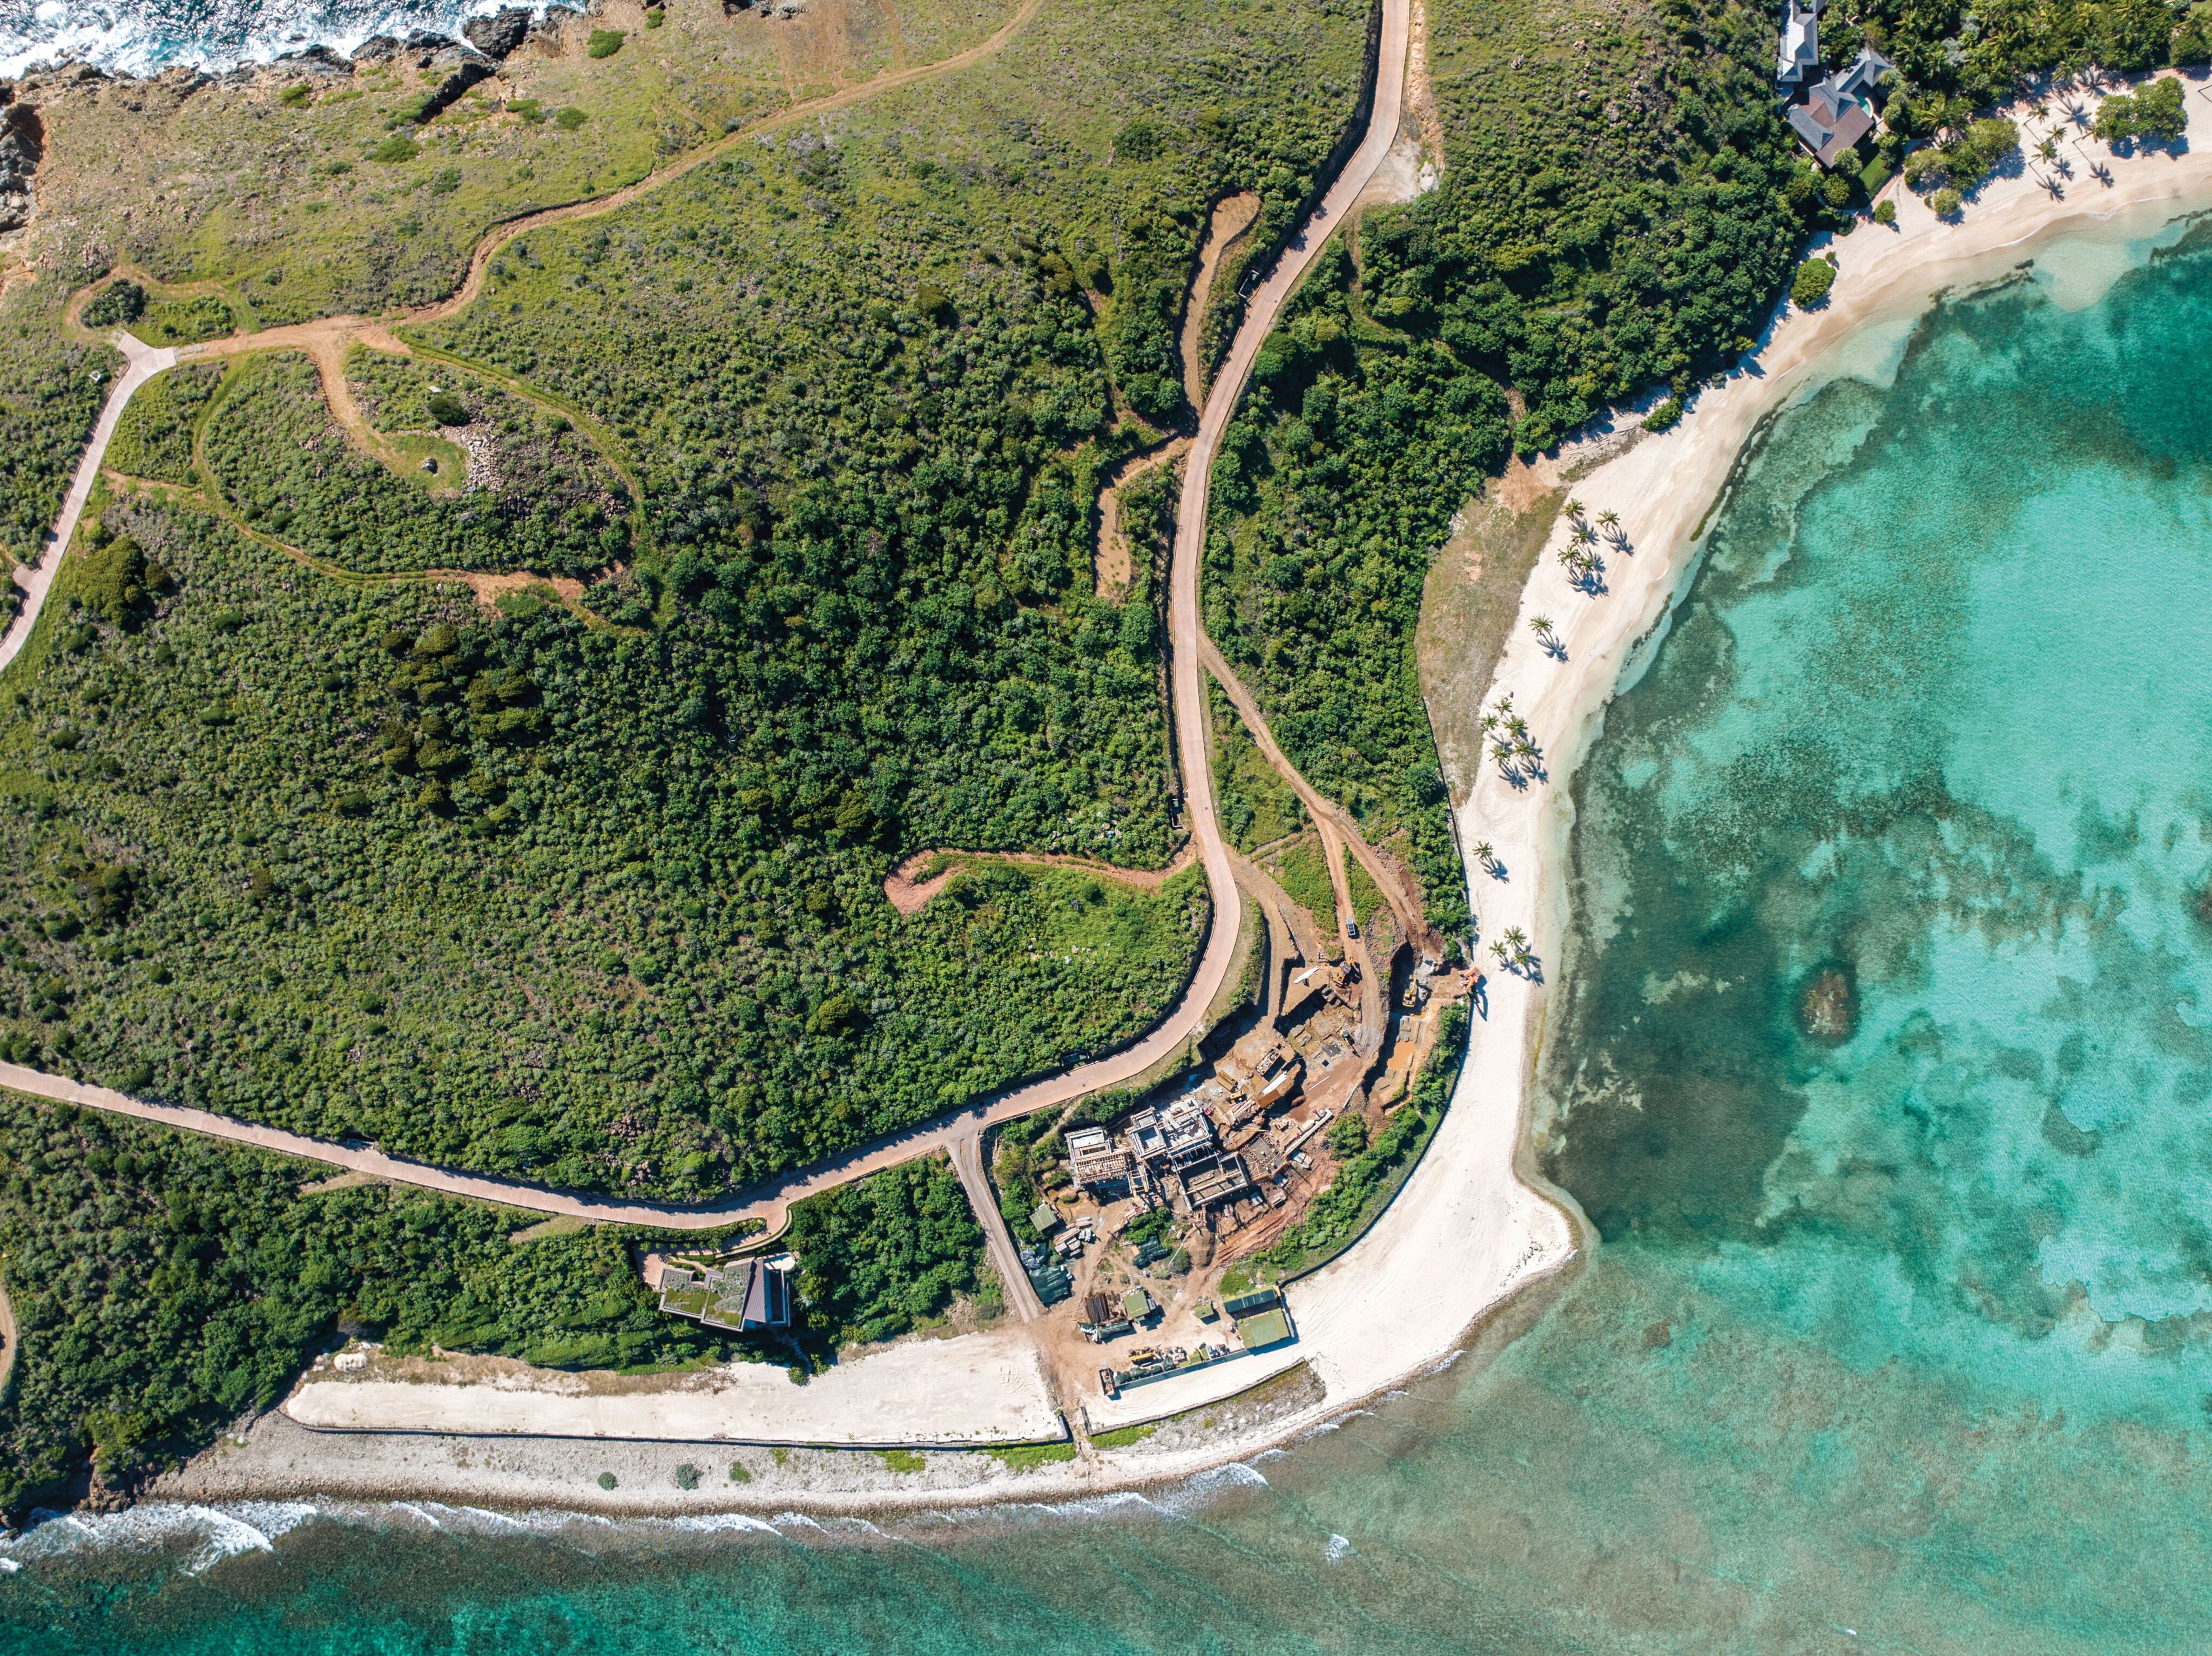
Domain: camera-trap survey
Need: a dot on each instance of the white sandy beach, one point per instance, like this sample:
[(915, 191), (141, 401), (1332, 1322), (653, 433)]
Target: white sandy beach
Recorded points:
[(1469, 1230)]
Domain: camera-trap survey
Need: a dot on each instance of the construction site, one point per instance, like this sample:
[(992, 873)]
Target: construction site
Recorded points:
[(1147, 1230)]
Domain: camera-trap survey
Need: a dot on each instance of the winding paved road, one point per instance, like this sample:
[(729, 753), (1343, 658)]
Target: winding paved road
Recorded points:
[(956, 1134)]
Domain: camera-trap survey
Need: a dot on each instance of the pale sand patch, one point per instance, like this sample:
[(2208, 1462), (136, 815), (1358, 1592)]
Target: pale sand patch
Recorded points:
[(981, 1388)]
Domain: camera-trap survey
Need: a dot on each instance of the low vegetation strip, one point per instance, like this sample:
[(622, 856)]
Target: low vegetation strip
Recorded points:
[(1366, 1183)]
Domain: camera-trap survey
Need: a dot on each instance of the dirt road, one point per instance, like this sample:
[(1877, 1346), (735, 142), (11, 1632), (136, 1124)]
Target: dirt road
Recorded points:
[(1389, 880)]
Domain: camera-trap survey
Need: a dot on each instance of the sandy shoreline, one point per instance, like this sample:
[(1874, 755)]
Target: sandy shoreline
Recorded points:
[(1472, 1229)]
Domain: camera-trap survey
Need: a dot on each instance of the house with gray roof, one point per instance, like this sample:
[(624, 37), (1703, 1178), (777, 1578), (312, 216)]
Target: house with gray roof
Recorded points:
[(1838, 111)]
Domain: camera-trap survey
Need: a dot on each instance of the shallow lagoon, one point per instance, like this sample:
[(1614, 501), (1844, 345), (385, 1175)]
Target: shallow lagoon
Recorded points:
[(1897, 1339)]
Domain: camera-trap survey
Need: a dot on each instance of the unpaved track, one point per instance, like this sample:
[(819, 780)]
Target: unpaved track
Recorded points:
[(143, 363), (1329, 816), (910, 896), (771, 1201)]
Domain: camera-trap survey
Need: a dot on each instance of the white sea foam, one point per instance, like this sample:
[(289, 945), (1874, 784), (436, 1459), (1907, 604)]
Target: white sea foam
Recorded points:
[(213, 1533), (143, 40), (718, 1523)]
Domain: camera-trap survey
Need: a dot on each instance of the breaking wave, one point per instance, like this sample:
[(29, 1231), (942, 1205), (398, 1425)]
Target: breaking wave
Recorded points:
[(145, 39)]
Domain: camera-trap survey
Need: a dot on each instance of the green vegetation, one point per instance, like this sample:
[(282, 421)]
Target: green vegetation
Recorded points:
[(154, 436), (50, 390), (606, 1480), (186, 321), (465, 882), (1029, 1457), (1885, 212), (1346, 1136), (1257, 806), (1669, 412), (687, 1476), (164, 1283), (116, 580), (1366, 901), (885, 1255), (1366, 1183), (2156, 112), (1123, 1437), (1971, 154), (396, 149), (605, 43), (901, 1460), (1303, 873), (116, 304), (1815, 276), (1945, 202), (1026, 1169), (276, 455)]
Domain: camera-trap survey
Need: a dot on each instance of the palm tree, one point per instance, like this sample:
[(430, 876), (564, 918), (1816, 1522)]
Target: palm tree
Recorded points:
[(1501, 752), (2048, 149), (1482, 853), (1610, 519), (1575, 510), (1540, 625)]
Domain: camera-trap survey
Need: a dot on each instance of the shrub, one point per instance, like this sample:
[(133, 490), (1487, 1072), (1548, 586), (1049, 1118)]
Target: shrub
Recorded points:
[(739, 1474), (120, 303), (2156, 112), (528, 109), (295, 97), (606, 1480), (1665, 416), (687, 1477), (1946, 203), (655, 18), (570, 118), (1810, 289), (446, 408), (1139, 141), (396, 148), (1885, 212), (604, 43)]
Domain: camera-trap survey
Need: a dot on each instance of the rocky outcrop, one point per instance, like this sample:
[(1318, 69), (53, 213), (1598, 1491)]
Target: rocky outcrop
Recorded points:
[(499, 33), (23, 145)]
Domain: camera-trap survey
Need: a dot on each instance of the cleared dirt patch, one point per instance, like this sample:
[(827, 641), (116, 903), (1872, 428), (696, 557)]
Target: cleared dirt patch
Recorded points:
[(1468, 605), (1232, 217), (911, 885)]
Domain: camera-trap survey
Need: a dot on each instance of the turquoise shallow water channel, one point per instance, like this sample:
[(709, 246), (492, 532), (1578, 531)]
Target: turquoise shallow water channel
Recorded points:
[(1882, 1059)]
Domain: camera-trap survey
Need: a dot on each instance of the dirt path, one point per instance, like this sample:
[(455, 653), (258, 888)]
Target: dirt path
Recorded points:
[(1116, 564), (1232, 217), (1331, 818), (771, 1201), (910, 896), (7, 1341)]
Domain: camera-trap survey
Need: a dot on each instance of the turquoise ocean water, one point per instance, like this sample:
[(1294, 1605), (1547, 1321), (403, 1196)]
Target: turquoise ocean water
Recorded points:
[(1897, 1339)]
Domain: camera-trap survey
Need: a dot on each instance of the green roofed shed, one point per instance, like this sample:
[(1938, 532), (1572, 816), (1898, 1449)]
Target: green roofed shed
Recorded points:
[(1267, 1328), (1044, 1221)]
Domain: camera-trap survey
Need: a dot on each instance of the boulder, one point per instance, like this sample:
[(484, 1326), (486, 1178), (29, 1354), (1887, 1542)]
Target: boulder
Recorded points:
[(499, 33)]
